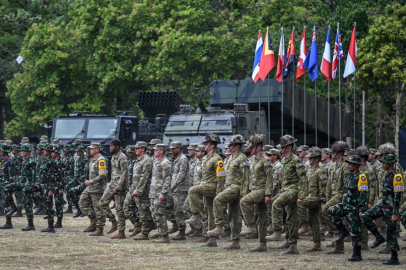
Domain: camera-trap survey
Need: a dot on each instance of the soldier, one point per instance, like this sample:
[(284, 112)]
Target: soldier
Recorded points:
[(312, 201), (75, 144), (272, 189), (39, 207), (334, 190), (212, 184), (117, 187), (95, 188), (293, 171), (302, 211), (18, 193), (141, 188), (388, 208), (266, 148), (235, 187), (186, 209), (261, 174), (58, 192), (353, 203), (76, 186), (151, 145), (7, 178), (68, 172), (326, 164)]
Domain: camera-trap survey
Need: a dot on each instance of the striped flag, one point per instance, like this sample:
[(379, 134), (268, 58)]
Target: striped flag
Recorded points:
[(338, 54), (302, 55), (281, 59), (352, 55), (326, 61), (257, 59)]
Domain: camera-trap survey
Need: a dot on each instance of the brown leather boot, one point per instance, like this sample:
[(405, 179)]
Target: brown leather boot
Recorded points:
[(174, 228), (304, 229), (235, 244), (202, 240), (260, 248), (155, 236), (162, 240), (136, 231), (113, 227), (197, 233), (180, 235), (119, 235), (219, 230), (98, 232), (141, 237), (316, 247), (251, 236), (92, 226), (292, 250), (190, 232), (152, 226)]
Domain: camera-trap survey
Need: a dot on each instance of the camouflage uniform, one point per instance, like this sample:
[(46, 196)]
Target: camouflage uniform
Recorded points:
[(59, 201), (94, 192), (28, 171), (130, 208), (68, 174), (272, 189), (118, 181), (160, 184), (7, 180), (76, 185), (47, 171), (302, 211)]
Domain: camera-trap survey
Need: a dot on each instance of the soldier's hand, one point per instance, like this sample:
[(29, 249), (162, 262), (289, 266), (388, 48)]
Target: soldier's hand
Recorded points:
[(360, 213), (299, 201), (322, 205), (161, 197), (268, 199), (135, 193), (88, 183), (394, 218), (115, 191), (369, 206), (50, 193), (61, 192)]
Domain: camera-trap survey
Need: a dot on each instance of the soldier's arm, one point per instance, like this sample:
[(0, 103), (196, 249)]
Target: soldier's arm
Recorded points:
[(372, 188), (145, 178), (321, 178), (269, 179), (33, 170), (328, 187), (123, 174), (301, 172), (182, 173), (362, 201), (245, 179), (100, 176), (166, 175), (396, 202)]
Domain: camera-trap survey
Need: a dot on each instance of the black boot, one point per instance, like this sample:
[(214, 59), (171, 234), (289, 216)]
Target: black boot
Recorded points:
[(30, 226), (342, 232), (50, 228), (393, 258), (379, 239), (14, 209), (58, 223), (69, 210), (356, 254), (79, 212), (8, 224), (18, 213)]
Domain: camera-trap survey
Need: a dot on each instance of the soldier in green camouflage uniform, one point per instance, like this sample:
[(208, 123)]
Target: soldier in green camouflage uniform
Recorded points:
[(261, 174), (212, 184), (119, 183), (293, 171), (68, 173), (131, 211), (235, 187), (94, 191), (388, 208), (354, 202), (6, 178), (141, 188), (159, 188), (59, 178), (312, 200), (18, 193), (76, 185)]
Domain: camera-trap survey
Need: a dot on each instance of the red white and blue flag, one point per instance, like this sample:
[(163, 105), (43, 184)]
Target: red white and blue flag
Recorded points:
[(351, 57), (257, 59), (326, 61), (267, 62), (338, 54), (290, 58), (300, 70), (281, 59)]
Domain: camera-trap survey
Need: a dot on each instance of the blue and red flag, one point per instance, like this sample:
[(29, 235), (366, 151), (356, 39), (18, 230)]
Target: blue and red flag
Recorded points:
[(338, 54), (326, 61), (257, 59), (290, 58), (267, 62), (312, 58)]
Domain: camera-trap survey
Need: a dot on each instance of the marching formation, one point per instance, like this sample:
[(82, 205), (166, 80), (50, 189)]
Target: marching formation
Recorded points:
[(337, 193)]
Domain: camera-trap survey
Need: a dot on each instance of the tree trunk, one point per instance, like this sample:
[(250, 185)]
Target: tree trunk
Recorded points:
[(399, 97), (378, 128)]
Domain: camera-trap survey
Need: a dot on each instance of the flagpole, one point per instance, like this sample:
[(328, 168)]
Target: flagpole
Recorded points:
[(315, 111), (259, 100), (339, 87), (363, 117), (304, 105), (328, 116), (293, 98), (282, 96), (354, 107), (269, 114)]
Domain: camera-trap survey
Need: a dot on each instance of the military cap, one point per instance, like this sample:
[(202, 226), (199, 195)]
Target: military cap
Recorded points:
[(267, 147), (200, 148), (273, 151), (77, 141), (192, 146), (5, 148), (302, 148), (389, 158), (237, 139), (47, 147), (87, 149), (57, 148), (362, 151), (67, 148), (44, 137), (40, 146), (372, 151), (160, 146), (56, 142), (339, 146), (141, 144), (257, 138), (94, 145), (354, 159), (26, 147), (80, 147), (175, 145), (15, 147), (211, 137), (313, 152), (287, 140), (278, 146), (8, 142), (325, 151), (130, 149), (25, 140), (154, 141)]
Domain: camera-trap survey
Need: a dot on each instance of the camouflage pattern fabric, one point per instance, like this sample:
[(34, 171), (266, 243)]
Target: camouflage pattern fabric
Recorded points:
[(47, 171)]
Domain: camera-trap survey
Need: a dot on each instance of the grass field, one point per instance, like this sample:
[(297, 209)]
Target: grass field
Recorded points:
[(70, 248)]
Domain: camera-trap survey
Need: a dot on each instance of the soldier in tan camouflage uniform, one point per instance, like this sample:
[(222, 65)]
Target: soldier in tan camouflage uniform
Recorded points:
[(293, 172), (212, 184), (261, 174), (272, 189), (326, 164), (119, 184), (129, 207), (95, 188), (160, 187), (302, 211), (142, 174), (237, 174)]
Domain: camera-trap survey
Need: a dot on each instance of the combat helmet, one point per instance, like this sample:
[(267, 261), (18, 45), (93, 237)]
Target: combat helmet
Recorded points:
[(339, 146), (362, 151), (237, 139), (313, 152), (257, 138), (267, 147), (386, 148), (389, 158), (211, 137), (287, 140), (302, 148)]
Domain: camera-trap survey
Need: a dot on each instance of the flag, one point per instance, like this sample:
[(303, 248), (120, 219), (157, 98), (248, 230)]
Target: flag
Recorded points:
[(281, 59), (326, 61), (312, 59), (338, 53), (290, 58), (267, 62), (19, 59), (257, 59), (302, 55), (351, 57)]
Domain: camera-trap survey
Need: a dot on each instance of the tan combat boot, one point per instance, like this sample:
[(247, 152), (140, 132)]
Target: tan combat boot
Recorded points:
[(197, 233), (212, 242), (113, 227), (141, 237), (190, 232), (269, 229), (119, 235), (98, 232), (304, 229), (174, 228), (92, 226), (163, 240), (249, 230), (216, 232), (180, 235), (195, 219), (276, 236), (292, 250), (286, 245), (235, 244), (316, 247), (202, 240), (251, 236), (136, 231), (364, 246), (260, 248)]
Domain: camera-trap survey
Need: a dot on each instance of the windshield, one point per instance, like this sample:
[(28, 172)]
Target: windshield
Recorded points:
[(69, 128), (101, 128)]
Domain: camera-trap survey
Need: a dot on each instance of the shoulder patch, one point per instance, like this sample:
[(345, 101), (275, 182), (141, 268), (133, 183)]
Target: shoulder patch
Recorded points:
[(245, 164), (102, 167), (220, 171), (363, 183), (301, 165), (398, 185)]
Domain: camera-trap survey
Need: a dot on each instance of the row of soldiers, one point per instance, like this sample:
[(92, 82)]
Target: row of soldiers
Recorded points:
[(269, 189)]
